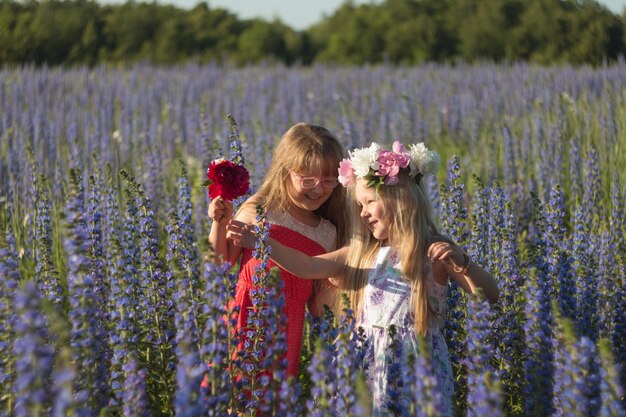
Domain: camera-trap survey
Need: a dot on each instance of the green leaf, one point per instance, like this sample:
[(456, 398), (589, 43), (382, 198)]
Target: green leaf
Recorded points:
[(206, 183)]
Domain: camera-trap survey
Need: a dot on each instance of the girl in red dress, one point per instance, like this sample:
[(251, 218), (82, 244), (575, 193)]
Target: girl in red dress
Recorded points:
[(306, 211)]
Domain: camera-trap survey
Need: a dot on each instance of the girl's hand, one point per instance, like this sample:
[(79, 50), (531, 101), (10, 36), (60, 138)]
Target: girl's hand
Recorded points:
[(220, 209), (466, 273), (448, 253), (241, 234)]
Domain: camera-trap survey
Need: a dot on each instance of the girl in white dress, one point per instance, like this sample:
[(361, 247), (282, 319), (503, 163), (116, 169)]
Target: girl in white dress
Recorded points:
[(396, 267)]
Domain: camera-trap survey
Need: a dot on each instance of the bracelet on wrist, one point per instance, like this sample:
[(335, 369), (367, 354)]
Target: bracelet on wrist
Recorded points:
[(466, 265)]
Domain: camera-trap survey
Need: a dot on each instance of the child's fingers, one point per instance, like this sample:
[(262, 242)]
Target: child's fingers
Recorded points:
[(442, 255), (237, 225), (237, 229), (240, 234), (220, 209), (436, 249), (441, 251)]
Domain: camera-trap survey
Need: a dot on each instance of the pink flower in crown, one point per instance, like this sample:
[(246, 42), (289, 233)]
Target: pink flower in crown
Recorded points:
[(346, 173), (402, 155), (390, 163), (388, 167)]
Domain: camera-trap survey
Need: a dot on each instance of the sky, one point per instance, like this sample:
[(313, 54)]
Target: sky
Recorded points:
[(300, 14)]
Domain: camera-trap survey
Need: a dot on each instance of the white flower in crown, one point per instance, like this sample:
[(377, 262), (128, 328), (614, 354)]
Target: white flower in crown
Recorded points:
[(364, 159), (424, 161)]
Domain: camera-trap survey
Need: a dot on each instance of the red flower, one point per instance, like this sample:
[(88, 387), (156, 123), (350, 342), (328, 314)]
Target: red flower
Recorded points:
[(227, 179)]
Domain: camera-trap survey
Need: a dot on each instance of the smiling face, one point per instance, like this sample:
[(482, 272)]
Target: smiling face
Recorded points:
[(372, 211), (309, 198)]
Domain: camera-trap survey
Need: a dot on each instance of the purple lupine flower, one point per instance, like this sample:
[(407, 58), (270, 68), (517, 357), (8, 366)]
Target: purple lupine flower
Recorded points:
[(110, 221), (9, 276), (538, 251), (477, 247), (134, 397), (495, 231), (84, 309), (100, 292), (348, 350), (46, 274), (605, 274), (585, 279), (617, 219), (615, 245), (275, 334), (483, 392), (618, 335), (559, 269), (611, 391), (123, 310), (427, 398), (397, 390), (576, 378), (454, 221), (150, 269), (323, 385), (151, 293), (33, 354), (288, 396), (538, 366), (453, 205), (324, 327), (508, 314), (189, 251), (264, 320), (219, 339), (183, 295), (177, 276), (236, 151), (358, 342), (348, 401), (188, 400), (65, 402), (589, 385), (455, 335)]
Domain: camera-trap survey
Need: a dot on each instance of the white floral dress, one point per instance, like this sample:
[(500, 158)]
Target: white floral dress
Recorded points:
[(386, 302)]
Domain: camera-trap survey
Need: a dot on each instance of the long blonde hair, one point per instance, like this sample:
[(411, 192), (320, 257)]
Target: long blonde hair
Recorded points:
[(411, 232), (304, 147)]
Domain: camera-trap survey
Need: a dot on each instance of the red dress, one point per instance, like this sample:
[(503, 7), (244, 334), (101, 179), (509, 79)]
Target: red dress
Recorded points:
[(310, 240)]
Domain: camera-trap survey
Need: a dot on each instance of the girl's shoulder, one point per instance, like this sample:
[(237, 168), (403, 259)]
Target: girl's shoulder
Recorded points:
[(247, 212)]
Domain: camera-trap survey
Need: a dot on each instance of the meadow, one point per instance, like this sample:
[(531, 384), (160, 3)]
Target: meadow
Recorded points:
[(110, 304)]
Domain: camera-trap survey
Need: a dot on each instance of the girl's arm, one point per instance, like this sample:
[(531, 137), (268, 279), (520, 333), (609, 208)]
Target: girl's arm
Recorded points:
[(221, 211), (458, 265), (308, 267)]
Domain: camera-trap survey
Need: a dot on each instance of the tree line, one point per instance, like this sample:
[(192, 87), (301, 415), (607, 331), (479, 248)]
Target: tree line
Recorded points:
[(405, 32)]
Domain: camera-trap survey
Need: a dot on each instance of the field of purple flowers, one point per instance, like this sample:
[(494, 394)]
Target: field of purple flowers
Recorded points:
[(110, 304)]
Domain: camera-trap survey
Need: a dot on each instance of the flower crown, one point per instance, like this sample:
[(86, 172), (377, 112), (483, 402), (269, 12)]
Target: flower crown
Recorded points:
[(382, 166)]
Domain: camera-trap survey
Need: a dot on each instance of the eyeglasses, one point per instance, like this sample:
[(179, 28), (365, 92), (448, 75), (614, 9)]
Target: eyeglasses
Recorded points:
[(311, 182)]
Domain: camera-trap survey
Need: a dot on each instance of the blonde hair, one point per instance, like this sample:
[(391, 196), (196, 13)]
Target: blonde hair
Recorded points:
[(411, 232), (302, 148)]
